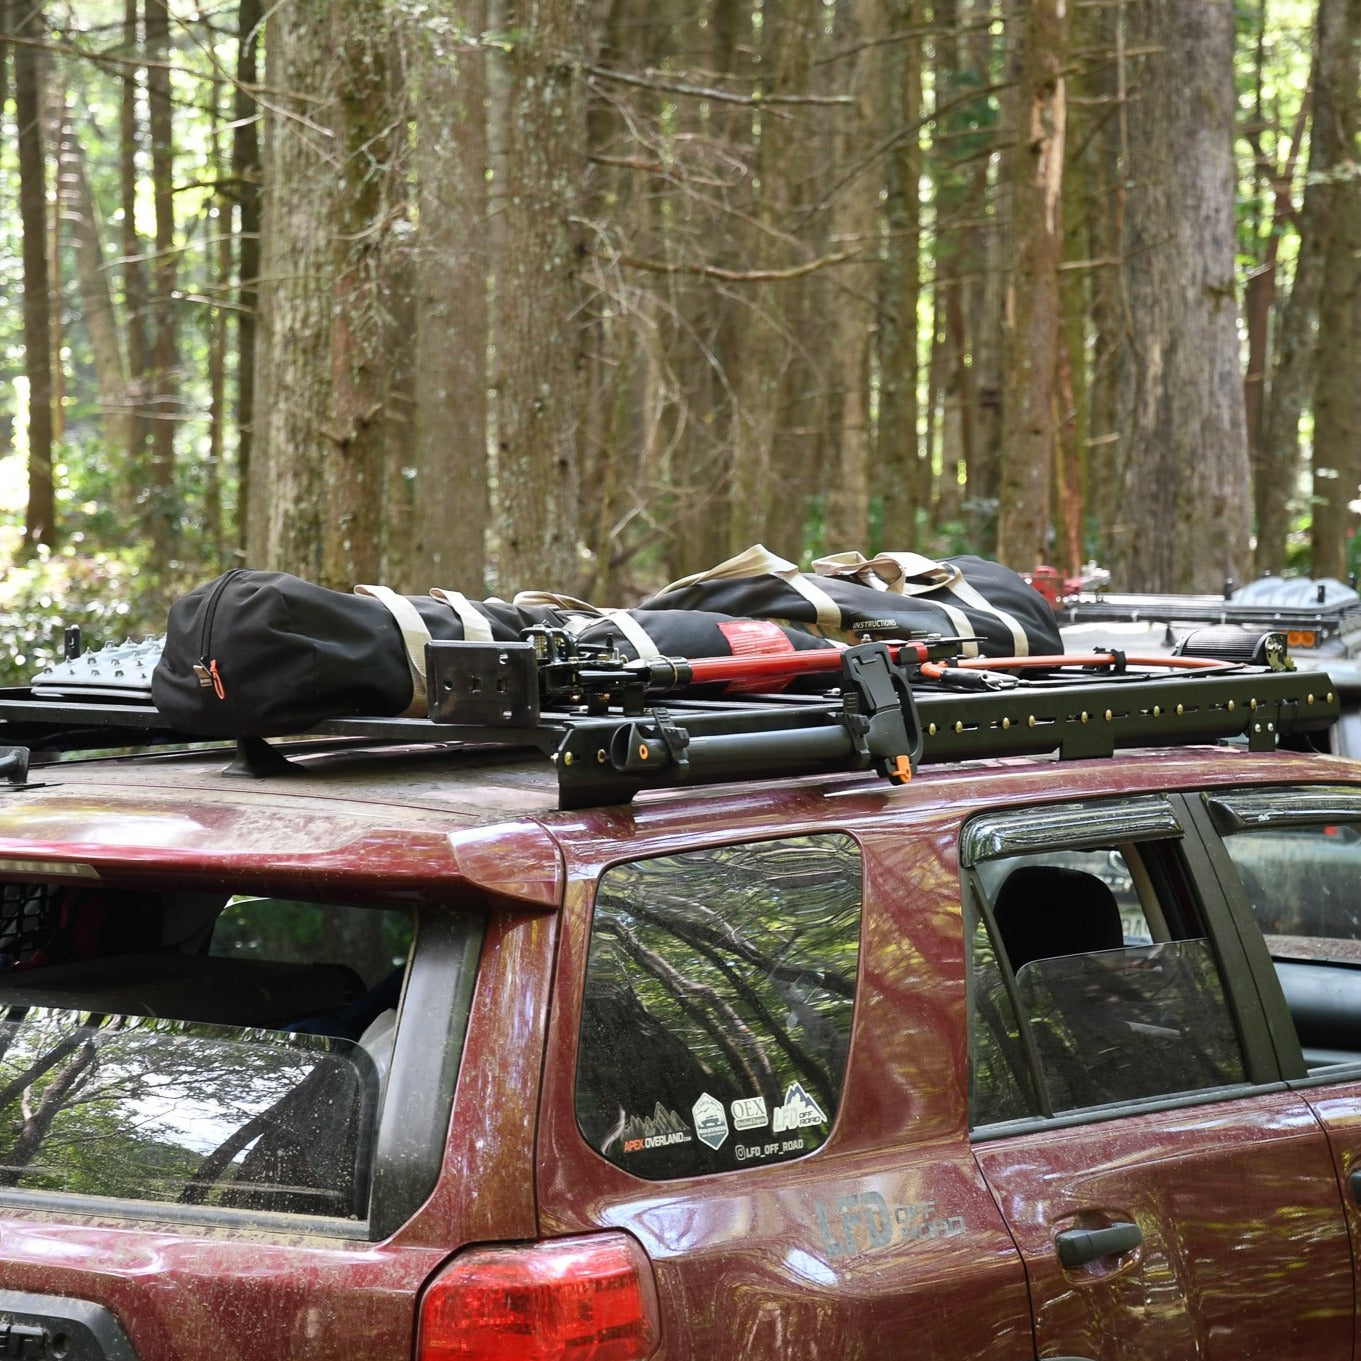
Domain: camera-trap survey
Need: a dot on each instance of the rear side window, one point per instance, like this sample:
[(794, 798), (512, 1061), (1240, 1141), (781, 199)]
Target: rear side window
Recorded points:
[(196, 1049), (717, 1009), (180, 1113)]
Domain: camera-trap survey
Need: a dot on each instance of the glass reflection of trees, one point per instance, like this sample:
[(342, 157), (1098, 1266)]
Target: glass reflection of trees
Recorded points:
[(1120, 1025), (174, 1111), (728, 971)]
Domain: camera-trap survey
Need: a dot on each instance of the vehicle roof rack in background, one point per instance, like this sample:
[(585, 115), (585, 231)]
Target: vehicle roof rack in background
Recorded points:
[(1306, 625), (612, 727)]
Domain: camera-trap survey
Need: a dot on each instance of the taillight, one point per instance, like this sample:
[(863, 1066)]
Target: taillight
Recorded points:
[(570, 1299)]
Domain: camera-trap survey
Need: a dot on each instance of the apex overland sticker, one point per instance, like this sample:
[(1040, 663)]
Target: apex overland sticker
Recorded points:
[(658, 1130), (711, 1121)]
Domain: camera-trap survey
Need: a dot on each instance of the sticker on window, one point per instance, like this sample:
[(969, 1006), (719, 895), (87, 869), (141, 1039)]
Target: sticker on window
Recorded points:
[(719, 992)]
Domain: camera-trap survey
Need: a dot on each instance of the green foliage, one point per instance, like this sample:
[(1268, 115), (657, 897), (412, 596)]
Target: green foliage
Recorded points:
[(110, 596)]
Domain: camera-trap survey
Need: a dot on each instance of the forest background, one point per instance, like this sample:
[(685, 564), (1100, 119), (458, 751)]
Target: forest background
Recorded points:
[(582, 295)]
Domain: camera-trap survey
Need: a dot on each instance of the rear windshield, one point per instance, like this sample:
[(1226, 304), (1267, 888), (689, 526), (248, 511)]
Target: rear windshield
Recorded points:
[(215, 1050)]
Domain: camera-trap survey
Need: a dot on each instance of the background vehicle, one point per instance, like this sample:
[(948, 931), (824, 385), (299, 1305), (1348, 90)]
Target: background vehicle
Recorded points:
[(1321, 621)]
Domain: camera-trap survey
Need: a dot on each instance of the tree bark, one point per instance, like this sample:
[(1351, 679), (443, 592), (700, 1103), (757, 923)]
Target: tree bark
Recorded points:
[(40, 518), (297, 266), (769, 338), (451, 509), (897, 454), (1337, 394), (163, 509), (538, 338), (355, 467), (96, 297), (246, 177), (1186, 503), (138, 349), (1033, 310), (854, 225)]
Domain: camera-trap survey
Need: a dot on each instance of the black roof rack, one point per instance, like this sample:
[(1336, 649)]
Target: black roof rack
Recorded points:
[(611, 729), (1326, 620)]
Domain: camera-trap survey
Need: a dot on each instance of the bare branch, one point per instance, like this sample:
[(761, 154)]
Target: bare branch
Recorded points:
[(737, 276), (654, 80)]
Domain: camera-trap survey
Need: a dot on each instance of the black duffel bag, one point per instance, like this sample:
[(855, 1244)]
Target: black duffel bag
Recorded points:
[(895, 595), (263, 654)]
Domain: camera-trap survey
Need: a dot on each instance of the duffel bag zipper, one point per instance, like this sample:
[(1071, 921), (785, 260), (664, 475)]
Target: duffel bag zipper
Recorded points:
[(206, 667)]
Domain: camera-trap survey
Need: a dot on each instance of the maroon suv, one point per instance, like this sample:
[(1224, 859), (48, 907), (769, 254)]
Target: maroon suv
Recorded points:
[(396, 1042)]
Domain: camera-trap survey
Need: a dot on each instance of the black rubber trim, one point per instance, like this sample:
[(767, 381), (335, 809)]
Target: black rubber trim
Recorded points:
[(72, 1330), (413, 1127)]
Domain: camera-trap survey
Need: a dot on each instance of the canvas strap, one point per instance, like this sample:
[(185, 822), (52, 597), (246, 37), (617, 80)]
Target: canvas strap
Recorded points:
[(414, 638), (476, 629), (579, 615), (757, 561)]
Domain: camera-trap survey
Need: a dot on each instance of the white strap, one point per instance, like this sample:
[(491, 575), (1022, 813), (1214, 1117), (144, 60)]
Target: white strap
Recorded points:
[(828, 611), (580, 615), (475, 626), (757, 561), (901, 573), (751, 562), (960, 626), (563, 602), (970, 596), (647, 650), (414, 637)]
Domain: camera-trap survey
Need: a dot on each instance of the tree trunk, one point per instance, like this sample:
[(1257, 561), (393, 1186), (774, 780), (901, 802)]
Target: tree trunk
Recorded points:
[(355, 467), (897, 455), (1033, 310), (135, 475), (1186, 501), (451, 509), (538, 338), (40, 519), (220, 258), (851, 297), (707, 328), (297, 266), (246, 176), (164, 509), (96, 298), (1337, 394), (1103, 151)]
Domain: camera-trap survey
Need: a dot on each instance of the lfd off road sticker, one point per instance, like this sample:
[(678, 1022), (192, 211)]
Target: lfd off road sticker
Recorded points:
[(711, 1121), (864, 1222), (797, 1111)]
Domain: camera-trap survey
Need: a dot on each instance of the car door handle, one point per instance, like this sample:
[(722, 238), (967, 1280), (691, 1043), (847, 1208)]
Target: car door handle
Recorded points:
[(1077, 1247), (1354, 1181)]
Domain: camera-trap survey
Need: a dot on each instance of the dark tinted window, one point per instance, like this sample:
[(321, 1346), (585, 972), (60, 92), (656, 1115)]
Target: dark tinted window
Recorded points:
[(717, 1008), (178, 1112), (1115, 988), (1302, 881), (195, 1049)]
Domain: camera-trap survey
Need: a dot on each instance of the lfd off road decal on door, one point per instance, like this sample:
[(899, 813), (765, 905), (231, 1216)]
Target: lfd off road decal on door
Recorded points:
[(865, 1222)]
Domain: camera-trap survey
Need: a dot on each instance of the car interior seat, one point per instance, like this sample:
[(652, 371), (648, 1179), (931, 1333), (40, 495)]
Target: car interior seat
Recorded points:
[(1043, 911)]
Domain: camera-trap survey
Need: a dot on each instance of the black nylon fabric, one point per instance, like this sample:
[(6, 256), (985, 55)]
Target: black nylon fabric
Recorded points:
[(289, 653), (767, 596), (266, 654)]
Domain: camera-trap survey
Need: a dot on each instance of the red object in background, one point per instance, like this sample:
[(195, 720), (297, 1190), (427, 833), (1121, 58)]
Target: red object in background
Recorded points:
[(1046, 581)]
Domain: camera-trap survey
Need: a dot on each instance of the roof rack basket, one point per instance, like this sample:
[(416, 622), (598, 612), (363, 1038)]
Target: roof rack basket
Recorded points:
[(611, 729)]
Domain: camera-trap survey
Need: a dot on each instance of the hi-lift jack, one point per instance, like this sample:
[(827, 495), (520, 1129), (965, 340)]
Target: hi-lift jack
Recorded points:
[(614, 725), (886, 706)]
